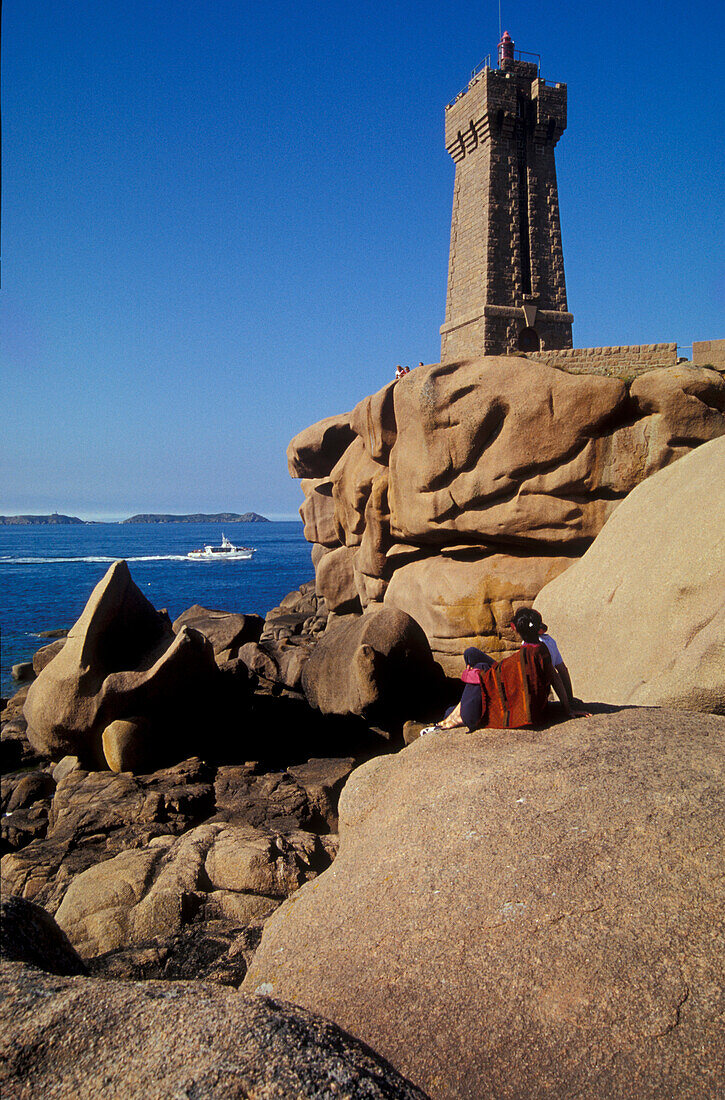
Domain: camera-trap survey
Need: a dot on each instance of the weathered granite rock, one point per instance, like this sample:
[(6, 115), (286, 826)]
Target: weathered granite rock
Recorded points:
[(496, 457), (120, 659), (274, 799), (318, 512), (23, 673), (683, 407), (299, 617), (27, 787), (126, 745), (371, 565), (286, 639), (336, 581), (226, 630), (352, 481), (281, 625), (144, 896), (148, 1041), (237, 683), (25, 806), (315, 450), (469, 600), (24, 825), (15, 749), (65, 766), (375, 665), (503, 449), (291, 660), (29, 934), (258, 660), (45, 655), (651, 591), (323, 780), (216, 947), (373, 421), (542, 911), (302, 600), (96, 815), (277, 661)]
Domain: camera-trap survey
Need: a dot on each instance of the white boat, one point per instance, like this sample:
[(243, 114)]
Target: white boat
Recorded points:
[(226, 552)]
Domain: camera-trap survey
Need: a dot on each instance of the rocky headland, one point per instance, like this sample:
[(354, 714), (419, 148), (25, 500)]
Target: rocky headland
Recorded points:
[(35, 521), (197, 517), (145, 517), (229, 862)]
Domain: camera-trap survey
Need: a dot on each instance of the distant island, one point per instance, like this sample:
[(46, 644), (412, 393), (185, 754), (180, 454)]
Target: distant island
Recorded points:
[(56, 517), (219, 517), (27, 521)]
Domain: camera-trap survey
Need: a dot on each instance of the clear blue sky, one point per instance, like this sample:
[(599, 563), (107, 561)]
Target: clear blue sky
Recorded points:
[(224, 220)]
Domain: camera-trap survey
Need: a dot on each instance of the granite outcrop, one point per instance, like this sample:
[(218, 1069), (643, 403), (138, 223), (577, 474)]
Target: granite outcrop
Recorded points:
[(129, 690), (169, 874), (457, 492), (173, 792)]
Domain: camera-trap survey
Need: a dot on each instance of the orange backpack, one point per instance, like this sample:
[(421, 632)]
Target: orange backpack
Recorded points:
[(515, 690)]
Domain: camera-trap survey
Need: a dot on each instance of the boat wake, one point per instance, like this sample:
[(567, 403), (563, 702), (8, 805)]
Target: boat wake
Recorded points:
[(100, 559)]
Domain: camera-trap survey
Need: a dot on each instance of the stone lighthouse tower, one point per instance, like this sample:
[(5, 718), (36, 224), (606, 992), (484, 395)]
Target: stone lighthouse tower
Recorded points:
[(506, 289)]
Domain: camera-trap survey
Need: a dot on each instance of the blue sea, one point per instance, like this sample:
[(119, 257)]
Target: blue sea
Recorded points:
[(47, 573)]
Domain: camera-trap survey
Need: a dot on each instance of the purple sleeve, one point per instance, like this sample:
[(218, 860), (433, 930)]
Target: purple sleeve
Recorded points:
[(556, 657)]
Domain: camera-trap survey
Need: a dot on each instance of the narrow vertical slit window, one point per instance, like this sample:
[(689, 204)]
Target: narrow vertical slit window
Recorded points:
[(523, 179)]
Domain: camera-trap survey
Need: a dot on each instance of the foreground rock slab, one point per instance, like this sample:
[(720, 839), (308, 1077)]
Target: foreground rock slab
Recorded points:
[(84, 1037), (525, 914)]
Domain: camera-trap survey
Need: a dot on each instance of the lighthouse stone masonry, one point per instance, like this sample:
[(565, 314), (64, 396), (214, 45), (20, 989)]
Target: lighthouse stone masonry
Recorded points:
[(506, 288)]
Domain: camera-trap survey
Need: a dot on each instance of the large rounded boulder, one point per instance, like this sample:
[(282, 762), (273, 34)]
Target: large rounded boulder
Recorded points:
[(378, 665), (641, 618), (525, 914)]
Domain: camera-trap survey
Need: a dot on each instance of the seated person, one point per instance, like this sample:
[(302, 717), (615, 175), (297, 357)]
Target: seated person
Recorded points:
[(527, 623), (557, 660)]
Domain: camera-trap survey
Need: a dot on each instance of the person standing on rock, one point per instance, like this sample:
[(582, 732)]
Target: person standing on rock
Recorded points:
[(528, 624)]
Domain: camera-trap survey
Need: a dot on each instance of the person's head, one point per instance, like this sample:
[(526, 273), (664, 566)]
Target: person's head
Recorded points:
[(528, 624)]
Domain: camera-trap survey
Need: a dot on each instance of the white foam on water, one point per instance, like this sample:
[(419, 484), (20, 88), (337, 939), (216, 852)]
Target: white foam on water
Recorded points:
[(93, 560)]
